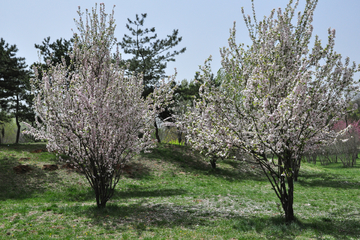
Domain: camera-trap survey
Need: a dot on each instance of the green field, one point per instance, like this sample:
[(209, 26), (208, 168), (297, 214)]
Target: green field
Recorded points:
[(172, 193), (10, 130)]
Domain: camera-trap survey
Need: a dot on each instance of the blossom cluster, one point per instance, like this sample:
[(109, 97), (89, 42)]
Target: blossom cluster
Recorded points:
[(278, 97), (92, 111)]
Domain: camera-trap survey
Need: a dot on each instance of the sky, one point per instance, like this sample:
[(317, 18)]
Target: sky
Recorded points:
[(204, 25)]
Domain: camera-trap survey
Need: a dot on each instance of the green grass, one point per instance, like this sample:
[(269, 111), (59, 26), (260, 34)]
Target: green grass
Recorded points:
[(10, 130), (176, 142), (172, 193)]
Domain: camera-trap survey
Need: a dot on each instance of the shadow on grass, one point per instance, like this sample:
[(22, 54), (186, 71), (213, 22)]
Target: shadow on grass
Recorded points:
[(275, 228), (180, 155), (143, 216), (28, 147), (337, 228), (23, 185), (340, 166), (322, 179), (85, 193), (145, 193), (136, 170), (186, 159)]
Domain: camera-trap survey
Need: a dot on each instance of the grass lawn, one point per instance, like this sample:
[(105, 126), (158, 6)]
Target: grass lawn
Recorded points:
[(172, 193)]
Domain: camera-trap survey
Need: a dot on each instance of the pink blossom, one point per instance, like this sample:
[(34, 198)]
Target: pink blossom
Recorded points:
[(305, 101), (95, 114)]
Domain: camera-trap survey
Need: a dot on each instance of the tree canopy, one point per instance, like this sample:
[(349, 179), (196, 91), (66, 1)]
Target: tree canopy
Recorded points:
[(96, 113), (278, 100), (149, 54), (15, 97)]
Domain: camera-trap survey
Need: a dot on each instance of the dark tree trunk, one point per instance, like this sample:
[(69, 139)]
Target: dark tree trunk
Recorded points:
[(296, 176), (17, 120), (179, 135), (354, 154), (101, 200), (287, 195), (213, 162), (314, 158), (296, 168), (287, 200), (296, 173), (157, 132), (103, 192), (2, 133), (283, 184), (18, 129), (102, 184)]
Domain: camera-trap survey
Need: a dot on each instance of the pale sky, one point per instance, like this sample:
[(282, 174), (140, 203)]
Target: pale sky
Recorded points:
[(203, 24)]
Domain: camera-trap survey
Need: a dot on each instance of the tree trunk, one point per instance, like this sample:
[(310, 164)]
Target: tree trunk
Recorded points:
[(296, 168), (18, 129), (283, 184), (213, 162), (288, 200), (179, 136), (99, 183), (2, 133), (296, 172), (353, 156), (296, 175), (287, 195), (102, 194), (101, 201), (157, 132), (17, 119)]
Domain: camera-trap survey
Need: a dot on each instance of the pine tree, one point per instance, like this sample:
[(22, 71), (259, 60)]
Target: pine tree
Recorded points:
[(15, 98), (55, 51), (150, 55)]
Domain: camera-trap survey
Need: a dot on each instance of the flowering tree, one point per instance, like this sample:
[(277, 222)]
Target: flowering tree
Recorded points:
[(341, 125), (199, 133), (279, 100), (346, 146), (90, 111)]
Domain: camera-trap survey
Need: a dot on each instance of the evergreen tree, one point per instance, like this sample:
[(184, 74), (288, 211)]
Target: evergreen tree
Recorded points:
[(150, 54), (55, 51), (15, 98)]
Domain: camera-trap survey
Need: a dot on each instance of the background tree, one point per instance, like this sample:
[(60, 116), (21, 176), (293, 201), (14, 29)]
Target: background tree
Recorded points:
[(20, 103), (94, 114), (346, 147), (7, 65), (185, 95), (5, 62), (280, 99), (15, 97), (54, 51), (149, 56)]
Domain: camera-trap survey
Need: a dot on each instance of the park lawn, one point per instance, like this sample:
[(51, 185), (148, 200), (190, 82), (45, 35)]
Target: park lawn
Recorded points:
[(172, 193)]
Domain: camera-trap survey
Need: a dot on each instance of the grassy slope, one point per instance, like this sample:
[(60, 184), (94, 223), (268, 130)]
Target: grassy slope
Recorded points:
[(173, 194), (10, 133)]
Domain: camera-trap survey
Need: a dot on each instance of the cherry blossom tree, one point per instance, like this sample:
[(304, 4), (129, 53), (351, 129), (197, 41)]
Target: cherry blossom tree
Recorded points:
[(91, 111), (346, 146), (279, 99)]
